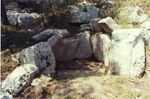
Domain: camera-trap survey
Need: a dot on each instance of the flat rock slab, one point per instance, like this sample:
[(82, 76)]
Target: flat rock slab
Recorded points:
[(65, 50), (19, 79), (127, 52)]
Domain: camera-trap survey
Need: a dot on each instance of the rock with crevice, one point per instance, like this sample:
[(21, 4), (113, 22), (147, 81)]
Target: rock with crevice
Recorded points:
[(20, 79), (65, 49), (84, 48), (146, 30), (127, 53), (100, 45)]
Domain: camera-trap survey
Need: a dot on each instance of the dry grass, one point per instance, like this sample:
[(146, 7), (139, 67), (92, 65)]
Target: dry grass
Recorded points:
[(93, 87), (144, 4), (104, 87)]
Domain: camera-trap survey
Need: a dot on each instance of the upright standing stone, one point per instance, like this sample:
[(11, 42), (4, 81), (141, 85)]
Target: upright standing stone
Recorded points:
[(101, 44), (84, 49), (127, 52), (65, 49)]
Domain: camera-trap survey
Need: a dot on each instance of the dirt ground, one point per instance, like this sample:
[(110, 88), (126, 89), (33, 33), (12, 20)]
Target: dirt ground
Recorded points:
[(90, 87)]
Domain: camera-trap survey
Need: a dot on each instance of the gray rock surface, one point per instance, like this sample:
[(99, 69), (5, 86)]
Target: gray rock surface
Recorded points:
[(19, 79), (101, 44), (65, 49), (84, 49), (127, 52), (24, 20), (40, 55), (5, 95), (146, 30), (82, 14), (105, 25), (49, 33)]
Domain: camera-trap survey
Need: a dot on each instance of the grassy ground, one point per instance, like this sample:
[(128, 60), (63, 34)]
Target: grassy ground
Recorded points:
[(91, 87)]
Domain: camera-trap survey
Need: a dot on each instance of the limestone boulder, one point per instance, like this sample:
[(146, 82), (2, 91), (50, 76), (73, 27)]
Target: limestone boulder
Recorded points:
[(20, 79), (5, 95), (40, 55), (127, 52), (44, 35), (101, 44), (84, 48), (24, 20)]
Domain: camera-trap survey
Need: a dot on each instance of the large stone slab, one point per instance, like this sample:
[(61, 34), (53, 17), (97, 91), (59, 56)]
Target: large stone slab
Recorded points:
[(65, 49), (40, 55), (44, 35), (19, 79), (100, 45), (127, 52), (84, 49)]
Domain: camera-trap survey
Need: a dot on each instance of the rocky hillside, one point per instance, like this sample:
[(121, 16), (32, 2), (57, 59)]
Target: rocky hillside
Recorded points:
[(75, 49)]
